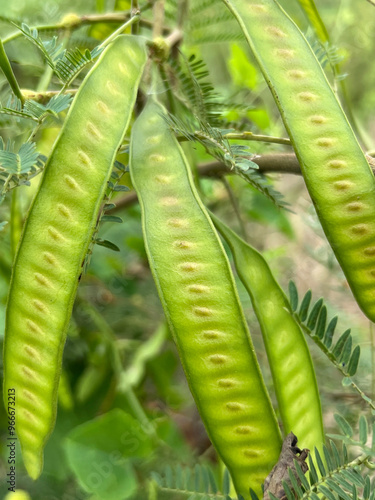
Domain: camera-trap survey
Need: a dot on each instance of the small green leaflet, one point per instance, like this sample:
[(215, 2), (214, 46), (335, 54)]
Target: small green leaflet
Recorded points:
[(19, 162), (107, 244), (36, 111)]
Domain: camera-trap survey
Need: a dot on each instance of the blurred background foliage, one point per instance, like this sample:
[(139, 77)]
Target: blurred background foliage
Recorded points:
[(122, 385)]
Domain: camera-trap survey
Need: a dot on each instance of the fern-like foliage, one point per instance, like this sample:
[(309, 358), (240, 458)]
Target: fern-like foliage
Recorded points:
[(198, 484), (35, 110), (211, 21), (363, 439), (72, 61), (66, 63), (332, 476), (327, 54), (202, 123), (17, 167), (197, 93), (314, 322)]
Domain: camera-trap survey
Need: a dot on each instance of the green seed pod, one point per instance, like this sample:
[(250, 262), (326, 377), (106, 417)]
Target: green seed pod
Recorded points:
[(56, 237), (336, 172), (288, 355), (200, 301)]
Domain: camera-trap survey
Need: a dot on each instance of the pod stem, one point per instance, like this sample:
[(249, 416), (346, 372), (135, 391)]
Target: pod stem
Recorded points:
[(135, 9), (135, 18)]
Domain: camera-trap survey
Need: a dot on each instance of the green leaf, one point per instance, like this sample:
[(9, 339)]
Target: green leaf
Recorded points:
[(206, 480), (313, 316), (313, 474), (354, 493), (346, 381), (59, 103), (121, 188), (354, 360), (107, 244), (49, 49), (157, 478), (314, 496), (296, 486), (341, 343), (363, 430), (293, 296), (212, 480), (2, 225), (109, 206), (344, 358), (120, 166), (253, 495), (179, 477), (305, 304), (326, 492), (327, 340), (337, 489), (328, 459), (355, 477), (169, 476), (226, 482), (344, 425), (319, 461), (345, 453), (367, 488), (340, 478), (335, 453), (197, 477), (100, 451), (111, 218), (301, 475), (289, 494), (322, 320)]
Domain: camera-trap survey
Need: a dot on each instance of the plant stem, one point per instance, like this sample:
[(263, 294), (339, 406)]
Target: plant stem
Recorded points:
[(363, 395), (247, 136), (235, 206), (333, 360), (111, 17)]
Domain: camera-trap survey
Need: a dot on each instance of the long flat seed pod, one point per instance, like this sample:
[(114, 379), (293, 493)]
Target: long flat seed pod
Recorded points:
[(336, 172), (200, 301), (288, 354), (56, 237)]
